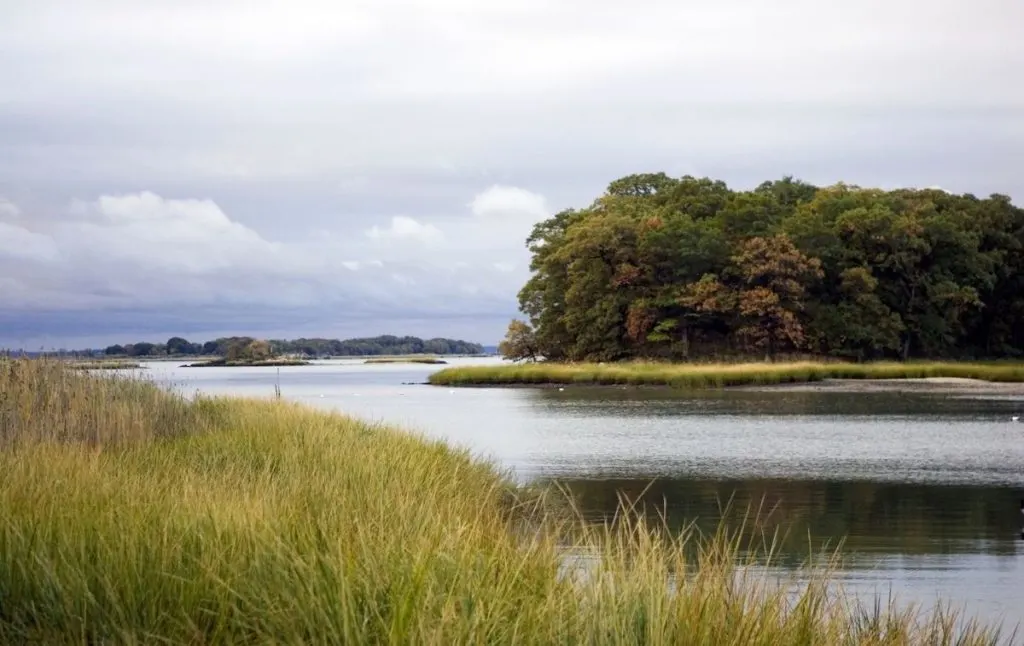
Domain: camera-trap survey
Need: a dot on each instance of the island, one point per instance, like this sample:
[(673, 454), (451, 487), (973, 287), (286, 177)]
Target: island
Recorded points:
[(177, 348), (248, 352), (686, 282), (389, 360)]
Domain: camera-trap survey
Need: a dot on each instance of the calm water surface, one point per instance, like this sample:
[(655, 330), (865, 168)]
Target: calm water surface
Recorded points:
[(924, 488)]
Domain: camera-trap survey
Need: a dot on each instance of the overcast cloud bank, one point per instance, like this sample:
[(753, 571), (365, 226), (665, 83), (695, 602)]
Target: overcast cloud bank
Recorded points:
[(369, 167)]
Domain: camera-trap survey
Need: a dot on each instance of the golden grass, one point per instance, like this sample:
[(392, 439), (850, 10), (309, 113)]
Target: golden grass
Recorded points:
[(686, 375), (130, 515)]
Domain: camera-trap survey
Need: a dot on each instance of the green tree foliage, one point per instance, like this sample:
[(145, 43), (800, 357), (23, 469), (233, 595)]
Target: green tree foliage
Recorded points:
[(248, 349), (519, 343), (380, 345), (678, 268), (178, 345)]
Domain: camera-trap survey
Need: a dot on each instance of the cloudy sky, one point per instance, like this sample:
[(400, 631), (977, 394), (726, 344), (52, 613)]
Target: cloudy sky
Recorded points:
[(341, 167)]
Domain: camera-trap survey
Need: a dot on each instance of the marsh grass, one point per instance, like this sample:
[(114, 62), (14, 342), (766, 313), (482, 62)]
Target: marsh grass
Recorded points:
[(132, 515), (715, 375)]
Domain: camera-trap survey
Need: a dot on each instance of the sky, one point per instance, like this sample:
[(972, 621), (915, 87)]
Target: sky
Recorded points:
[(340, 168)]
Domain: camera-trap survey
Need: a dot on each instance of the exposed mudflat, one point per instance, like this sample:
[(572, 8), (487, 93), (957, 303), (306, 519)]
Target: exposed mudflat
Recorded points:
[(944, 385)]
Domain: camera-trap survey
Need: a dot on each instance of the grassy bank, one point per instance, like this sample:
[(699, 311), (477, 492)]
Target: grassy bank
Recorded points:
[(129, 515), (714, 375)]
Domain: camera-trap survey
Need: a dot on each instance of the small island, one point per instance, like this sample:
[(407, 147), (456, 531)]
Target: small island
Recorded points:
[(245, 352), (688, 283), (388, 360)]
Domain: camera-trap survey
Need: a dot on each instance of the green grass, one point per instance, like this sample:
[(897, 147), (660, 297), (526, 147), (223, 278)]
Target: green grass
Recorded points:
[(685, 375), (130, 515)]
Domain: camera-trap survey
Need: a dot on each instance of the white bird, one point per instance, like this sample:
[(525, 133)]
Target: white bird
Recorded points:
[(1015, 418)]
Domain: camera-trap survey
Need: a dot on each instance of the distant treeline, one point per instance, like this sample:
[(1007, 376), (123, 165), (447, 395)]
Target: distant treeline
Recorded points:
[(683, 268), (381, 345)]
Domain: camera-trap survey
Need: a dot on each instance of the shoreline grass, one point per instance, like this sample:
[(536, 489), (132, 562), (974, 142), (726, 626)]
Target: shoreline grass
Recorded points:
[(714, 375), (129, 514)]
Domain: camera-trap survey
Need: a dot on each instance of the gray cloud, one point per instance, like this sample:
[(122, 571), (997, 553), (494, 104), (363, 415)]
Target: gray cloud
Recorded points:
[(149, 260), (336, 159)]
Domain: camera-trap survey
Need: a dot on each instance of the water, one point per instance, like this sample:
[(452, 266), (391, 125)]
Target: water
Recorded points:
[(924, 488)]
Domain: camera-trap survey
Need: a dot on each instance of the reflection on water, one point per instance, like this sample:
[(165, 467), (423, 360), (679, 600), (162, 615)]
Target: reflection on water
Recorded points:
[(924, 488), (909, 519)]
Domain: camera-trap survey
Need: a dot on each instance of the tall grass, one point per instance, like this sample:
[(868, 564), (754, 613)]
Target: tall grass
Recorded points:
[(130, 515), (687, 375)]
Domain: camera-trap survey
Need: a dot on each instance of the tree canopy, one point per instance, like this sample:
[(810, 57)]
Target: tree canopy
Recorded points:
[(679, 268)]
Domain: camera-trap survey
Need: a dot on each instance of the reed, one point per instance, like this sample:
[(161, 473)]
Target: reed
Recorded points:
[(132, 515), (686, 375)]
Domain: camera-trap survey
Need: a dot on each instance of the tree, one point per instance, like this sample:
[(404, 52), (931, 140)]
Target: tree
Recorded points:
[(642, 185), (519, 342), (178, 345), (141, 349), (236, 348), (114, 350), (258, 350), (860, 325), (772, 276)]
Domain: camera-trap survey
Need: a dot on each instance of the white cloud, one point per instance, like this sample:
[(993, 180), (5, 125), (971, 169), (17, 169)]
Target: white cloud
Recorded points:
[(21, 244), (509, 201), (187, 235), (172, 255), (457, 88), (269, 186), (404, 227), (9, 210)]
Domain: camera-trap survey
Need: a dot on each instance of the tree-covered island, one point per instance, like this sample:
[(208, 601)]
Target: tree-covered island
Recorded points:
[(683, 269)]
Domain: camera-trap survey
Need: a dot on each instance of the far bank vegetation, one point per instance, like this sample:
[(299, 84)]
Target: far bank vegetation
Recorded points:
[(384, 345)]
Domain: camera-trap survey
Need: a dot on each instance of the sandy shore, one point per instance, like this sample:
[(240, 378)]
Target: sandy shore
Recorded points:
[(942, 385)]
